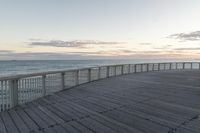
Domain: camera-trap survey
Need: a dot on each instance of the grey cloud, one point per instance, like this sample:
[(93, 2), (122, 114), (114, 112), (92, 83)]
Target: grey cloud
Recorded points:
[(11, 55), (192, 36), (127, 51), (75, 43), (145, 43), (197, 48), (39, 56), (5, 51), (165, 47)]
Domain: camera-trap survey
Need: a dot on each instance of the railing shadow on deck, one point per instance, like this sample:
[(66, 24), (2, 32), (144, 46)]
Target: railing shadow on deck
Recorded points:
[(19, 89)]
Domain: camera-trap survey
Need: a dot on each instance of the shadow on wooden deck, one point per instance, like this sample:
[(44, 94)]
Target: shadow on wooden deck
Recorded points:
[(154, 102)]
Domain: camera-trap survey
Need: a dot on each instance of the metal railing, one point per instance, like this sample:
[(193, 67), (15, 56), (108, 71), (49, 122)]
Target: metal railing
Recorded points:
[(19, 89)]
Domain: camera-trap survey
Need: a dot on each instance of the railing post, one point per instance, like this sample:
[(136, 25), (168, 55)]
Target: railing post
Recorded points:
[(158, 66), (63, 80), (115, 70), (135, 68), (89, 74), (141, 67), (147, 67), (191, 65), (199, 65), (122, 70), (77, 77), (170, 66), (14, 92), (176, 66), (108, 72), (129, 68), (183, 65), (43, 85), (99, 72), (164, 66), (153, 67)]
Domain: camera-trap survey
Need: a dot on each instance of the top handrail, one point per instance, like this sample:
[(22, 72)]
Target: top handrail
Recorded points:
[(77, 69)]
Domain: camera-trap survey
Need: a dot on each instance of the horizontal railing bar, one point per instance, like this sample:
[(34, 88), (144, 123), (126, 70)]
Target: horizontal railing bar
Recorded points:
[(20, 76)]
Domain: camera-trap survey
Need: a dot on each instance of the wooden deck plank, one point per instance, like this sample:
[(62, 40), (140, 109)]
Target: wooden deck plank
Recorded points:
[(37, 119), (49, 113), (2, 126), (80, 127), (65, 116), (59, 129), (9, 123), (70, 128), (74, 113), (136, 122), (23, 128), (111, 121), (27, 120), (96, 126), (112, 125), (48, 120)]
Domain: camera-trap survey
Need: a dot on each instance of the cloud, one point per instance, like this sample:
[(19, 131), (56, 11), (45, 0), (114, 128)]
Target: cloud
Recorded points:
[(5, 51), (101, 54), (145, 43), (164, 47), (38, 56), (192, 36), (74, 43), (197, 48)]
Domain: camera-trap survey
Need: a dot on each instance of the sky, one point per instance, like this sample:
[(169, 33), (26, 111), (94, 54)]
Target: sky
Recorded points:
[(99, 29)]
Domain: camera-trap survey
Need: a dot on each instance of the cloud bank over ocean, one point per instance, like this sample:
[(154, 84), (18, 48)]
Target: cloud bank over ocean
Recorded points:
[(74, 43)]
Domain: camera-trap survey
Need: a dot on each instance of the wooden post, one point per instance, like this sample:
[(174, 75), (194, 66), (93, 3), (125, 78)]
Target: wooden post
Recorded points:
[(129, 68), (99, 72), (43, 85), (63, 80), (77, 77), (176, 66), (170, 66), (191, 65), (135, 68), (122, 70), (183, 65), (147, 67), (14, 92), (108, 72), (153, 67), (89, 74), (158, 66), (115, 70), (199, 65)]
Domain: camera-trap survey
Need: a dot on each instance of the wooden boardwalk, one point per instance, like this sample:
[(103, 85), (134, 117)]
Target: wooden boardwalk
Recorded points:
[(154, 102)]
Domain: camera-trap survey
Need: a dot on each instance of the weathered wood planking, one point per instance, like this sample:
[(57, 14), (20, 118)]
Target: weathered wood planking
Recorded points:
[(154, 102)]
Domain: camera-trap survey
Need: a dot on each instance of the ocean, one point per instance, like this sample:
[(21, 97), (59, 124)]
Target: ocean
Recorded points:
[(15, 67)]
